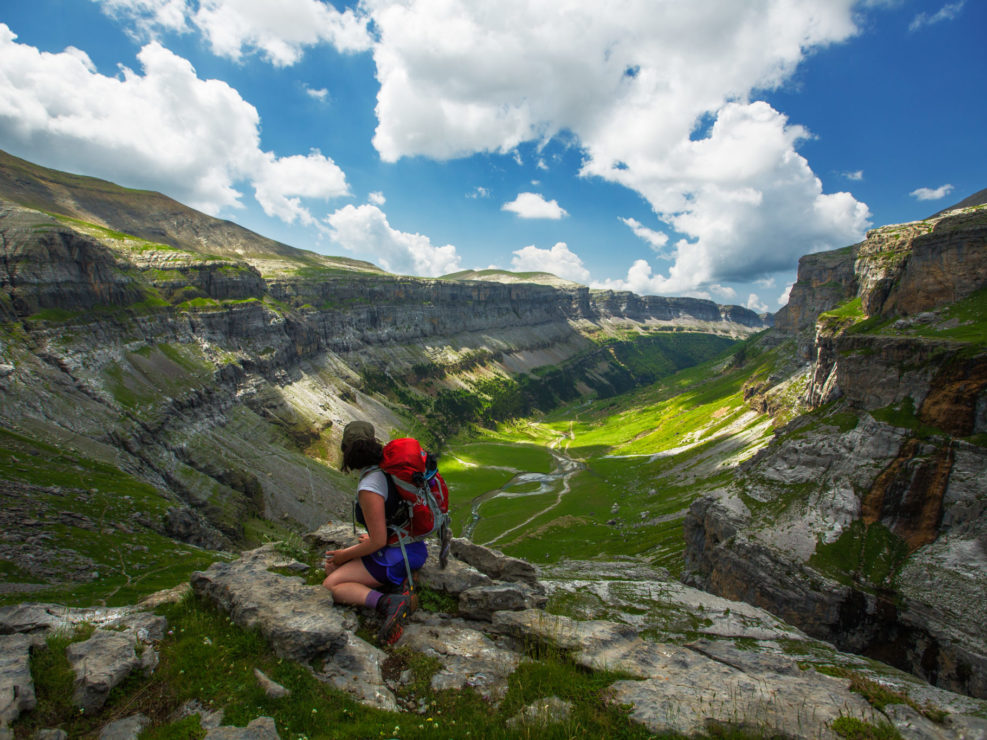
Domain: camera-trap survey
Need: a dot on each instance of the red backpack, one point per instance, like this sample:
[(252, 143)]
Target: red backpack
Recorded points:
[(421, 506)]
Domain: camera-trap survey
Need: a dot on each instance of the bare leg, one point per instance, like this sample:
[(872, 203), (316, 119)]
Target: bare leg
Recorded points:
[(350, 583)]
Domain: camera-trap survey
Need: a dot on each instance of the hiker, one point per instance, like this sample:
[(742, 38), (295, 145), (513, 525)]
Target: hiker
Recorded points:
[(356, 574)]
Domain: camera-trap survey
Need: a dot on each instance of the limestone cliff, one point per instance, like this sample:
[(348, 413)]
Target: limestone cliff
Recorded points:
[(865, 522)]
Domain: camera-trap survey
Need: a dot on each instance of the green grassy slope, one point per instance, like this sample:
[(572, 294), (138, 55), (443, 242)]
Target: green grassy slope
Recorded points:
[(639, 460)]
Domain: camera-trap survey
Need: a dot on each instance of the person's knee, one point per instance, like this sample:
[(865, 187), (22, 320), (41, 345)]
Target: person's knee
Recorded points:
[(330, 585)]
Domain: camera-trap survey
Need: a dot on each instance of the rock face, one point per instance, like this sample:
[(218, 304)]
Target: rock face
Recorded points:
[(866, 523)]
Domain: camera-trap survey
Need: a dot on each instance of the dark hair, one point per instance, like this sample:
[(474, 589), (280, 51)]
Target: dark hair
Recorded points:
[(361, 453)]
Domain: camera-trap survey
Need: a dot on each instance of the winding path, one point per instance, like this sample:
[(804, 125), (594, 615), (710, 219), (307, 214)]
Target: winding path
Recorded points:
[(565, 468)]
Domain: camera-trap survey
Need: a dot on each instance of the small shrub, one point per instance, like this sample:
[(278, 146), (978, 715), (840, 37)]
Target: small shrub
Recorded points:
[(437, 601), (855, 729)]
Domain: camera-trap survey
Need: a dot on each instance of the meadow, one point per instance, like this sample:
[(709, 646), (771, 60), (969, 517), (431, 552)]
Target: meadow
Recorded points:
[(610, 477)]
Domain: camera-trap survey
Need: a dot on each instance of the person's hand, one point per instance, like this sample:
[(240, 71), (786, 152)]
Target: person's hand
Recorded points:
[(364, 536), (334, 558)]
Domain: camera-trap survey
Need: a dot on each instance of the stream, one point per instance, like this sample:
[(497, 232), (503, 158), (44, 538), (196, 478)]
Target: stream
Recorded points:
[(565, 467)]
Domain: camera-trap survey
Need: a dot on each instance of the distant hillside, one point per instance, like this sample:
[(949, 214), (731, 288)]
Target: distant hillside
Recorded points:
[(146, 214), (505, 276), (977, 199)]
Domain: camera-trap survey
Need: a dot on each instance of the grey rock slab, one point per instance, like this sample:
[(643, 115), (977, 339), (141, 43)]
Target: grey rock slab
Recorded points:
[(669, 608), (40, 618), (967, 728), (30, 618), (356, 669), (913, 726), (331, 536), (16, 685), (594, 570), (455, 578), (682, 689), (301, 622), (100, 663), (166, 596), (207, 719), (480, 602), (494, 563), (128, 728), (469, 658), (688, 701), (596, 644), (50, 734), (548, 711), (272, 689), (147, 626), (262, 728)]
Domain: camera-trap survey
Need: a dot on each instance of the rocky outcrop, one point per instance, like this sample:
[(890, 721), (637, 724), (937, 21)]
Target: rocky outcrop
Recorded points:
[(865, 524), (100, 662), (870, 539), (825, 280), (714, 664), (678, 683), (899, 270)]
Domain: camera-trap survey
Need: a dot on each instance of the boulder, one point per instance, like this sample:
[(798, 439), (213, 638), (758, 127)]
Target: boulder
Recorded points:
[(101, 663), (300, 621), (262, 728), (356, 669), (455, 578), (16, 684), (128, 728), (480, 602), (469, 658), (31, 618), (548, 711), (272, 689), (494, 563)]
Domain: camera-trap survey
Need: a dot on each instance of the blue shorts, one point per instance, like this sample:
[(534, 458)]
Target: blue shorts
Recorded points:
[(387, 564)]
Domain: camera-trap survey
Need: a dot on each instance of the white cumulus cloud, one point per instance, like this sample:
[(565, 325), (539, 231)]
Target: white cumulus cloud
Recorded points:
[(281, 183), (317, 93), (947, 12), (635, 87), (149, 16), (365, 231), (656, 239), (559, 260), (279, 31), (163, 129), (932, 193), (533, 205), (754, 303)]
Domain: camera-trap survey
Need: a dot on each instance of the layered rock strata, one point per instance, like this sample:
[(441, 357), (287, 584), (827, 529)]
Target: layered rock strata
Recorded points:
[(865, 523)]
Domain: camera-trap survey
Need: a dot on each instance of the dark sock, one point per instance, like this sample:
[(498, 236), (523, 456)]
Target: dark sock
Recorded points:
[(372, 598)]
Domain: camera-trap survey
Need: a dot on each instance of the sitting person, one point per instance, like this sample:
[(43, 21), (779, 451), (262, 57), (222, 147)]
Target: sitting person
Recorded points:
[(355, 574)]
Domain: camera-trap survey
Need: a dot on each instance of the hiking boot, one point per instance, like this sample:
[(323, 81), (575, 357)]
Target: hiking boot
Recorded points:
[(394, 608), (409, 587)]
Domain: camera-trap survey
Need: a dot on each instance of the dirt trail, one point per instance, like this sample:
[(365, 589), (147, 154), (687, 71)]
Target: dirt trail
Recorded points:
[(565, 468)]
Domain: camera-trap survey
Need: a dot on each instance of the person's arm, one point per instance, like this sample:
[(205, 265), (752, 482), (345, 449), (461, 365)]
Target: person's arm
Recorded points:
[(372, 506)]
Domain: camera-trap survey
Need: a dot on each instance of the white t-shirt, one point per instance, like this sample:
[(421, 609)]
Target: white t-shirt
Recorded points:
[(374, 481)]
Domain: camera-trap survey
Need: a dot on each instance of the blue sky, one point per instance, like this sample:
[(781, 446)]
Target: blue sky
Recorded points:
[(665, 147)]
